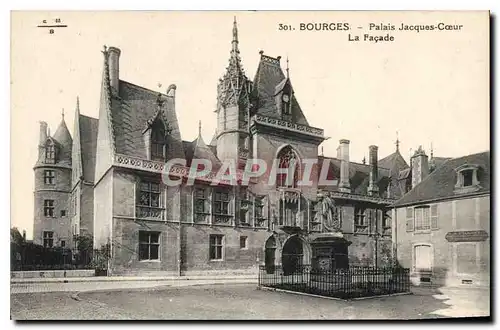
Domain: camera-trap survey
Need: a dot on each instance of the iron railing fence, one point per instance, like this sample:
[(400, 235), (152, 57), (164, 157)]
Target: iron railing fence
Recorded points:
[(352, 282), (29, 258)]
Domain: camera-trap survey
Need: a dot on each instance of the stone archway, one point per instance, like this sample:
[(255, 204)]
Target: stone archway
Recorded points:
[(295, 254), (270, 255)]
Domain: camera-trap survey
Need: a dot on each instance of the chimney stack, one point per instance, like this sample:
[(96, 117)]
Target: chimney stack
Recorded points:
[(373, 158), (43, 133), (344, 185), (419, 167), (114, 68)]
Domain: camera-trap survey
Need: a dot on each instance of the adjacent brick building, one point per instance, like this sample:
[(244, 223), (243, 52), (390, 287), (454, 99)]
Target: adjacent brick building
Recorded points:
[(442, 227), (117, 192)]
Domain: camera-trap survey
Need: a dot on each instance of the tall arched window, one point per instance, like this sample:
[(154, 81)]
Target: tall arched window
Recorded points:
[(288, 159), (158, 141)]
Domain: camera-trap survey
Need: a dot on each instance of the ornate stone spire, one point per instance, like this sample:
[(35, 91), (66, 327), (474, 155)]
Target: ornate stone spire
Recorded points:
[(234, 79)]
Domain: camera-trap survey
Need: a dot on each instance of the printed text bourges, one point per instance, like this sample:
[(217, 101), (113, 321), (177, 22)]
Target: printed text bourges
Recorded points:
[(377, 32)]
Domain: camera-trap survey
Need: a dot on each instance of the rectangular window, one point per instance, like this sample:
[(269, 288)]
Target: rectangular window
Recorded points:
[(63, 213), (63, 243), (245, 206), (434, 216), (386, 220), (48, 177), (467, 177), (360, 216), (48, 239), (422, 258), (422, 218), (50, 153), (243, 242), (216, 247), (149, 202), (48, 207), (409, 219), (201, 205), (149, 245), (221, 202)]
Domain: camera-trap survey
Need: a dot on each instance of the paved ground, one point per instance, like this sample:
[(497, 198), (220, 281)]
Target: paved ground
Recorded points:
[(238, 301)]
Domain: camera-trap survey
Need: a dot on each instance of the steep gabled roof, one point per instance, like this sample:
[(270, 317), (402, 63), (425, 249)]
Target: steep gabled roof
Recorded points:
[(198, 149), (268, 78), (135, 107), (393, 162), (88, 143), (440, 184)]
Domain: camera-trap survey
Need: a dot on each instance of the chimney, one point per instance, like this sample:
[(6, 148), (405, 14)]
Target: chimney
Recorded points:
[(114, 68), (373, 158), (419, 167), (24, 235), (43, 133), (344, 185)]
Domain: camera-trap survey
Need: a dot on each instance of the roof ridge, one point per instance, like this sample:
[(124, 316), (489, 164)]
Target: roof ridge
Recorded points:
[(146, 89)]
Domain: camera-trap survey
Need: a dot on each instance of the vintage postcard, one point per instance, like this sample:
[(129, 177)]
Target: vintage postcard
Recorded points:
[(250, 165)]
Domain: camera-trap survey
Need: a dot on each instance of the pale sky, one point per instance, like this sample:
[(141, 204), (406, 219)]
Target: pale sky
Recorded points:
[(431, 86)]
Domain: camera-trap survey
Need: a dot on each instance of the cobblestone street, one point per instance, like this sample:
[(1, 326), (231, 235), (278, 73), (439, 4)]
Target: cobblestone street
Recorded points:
[(236, 301)]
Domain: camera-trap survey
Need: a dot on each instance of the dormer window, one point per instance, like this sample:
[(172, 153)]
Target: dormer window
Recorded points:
[(467, 178), (158, 141), (286, 104), (50, 153)]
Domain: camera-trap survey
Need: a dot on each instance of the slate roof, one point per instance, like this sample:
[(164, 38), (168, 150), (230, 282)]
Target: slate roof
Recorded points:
[(88, 143), (435, 162), (359, 176), (440, 184), (131, 112), (393, 162), (396, 164), (198, 149), (63, 137), (267, 79)]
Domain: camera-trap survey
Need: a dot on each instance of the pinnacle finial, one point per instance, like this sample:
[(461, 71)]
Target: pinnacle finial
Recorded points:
[(235, 34), (62, 113), (397, 141), (287, 68), (364, 160), (432, 151), (322, 151), (199, 128)]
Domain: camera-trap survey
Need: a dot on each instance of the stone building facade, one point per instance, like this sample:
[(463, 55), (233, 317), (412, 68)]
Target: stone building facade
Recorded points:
[(118, 190), (442, 227)]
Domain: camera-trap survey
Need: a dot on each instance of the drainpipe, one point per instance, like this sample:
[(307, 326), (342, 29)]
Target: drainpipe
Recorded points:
[(179, 241)]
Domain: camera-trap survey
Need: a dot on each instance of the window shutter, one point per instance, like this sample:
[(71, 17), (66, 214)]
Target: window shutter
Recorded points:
[(409, 219), (434, 217)]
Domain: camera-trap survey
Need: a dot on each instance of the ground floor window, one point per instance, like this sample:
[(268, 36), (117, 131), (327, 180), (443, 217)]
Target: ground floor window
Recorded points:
[(243, 242), (216, 247), (48, 239), (422, 258), (149, 245)]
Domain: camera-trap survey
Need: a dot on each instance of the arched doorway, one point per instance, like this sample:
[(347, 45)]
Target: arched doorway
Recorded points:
[(270, 250), (292, 255)]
